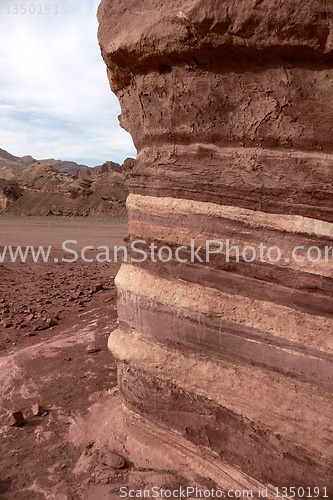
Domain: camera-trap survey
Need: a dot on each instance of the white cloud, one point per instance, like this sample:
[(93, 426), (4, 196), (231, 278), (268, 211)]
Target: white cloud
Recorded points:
[(55, 99)]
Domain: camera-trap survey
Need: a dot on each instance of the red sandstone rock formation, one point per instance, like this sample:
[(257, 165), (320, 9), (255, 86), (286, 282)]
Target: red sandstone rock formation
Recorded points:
[(229, 106)]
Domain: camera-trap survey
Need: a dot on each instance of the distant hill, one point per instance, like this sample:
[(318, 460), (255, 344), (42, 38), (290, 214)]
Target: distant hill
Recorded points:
[(11, 166), (66, 166), (47, 188), (108, 166)]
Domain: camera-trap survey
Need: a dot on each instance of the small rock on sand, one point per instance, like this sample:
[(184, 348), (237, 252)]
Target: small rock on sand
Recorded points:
[(38, 410), (91, 349), (113, 460), (16, 419)]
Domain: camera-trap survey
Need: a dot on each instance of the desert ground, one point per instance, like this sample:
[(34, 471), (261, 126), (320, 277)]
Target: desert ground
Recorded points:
[(51, 315)]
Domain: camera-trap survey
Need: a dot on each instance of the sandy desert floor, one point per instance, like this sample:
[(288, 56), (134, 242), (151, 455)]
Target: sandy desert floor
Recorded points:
[(49, 313)]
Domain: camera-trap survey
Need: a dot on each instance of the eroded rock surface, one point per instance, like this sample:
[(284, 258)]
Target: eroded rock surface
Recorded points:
[(228, 104)]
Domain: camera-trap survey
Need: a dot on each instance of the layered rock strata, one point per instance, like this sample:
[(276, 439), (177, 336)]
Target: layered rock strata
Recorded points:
[(229, 106)]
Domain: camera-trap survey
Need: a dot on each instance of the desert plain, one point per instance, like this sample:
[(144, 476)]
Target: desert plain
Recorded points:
[(55, 321)]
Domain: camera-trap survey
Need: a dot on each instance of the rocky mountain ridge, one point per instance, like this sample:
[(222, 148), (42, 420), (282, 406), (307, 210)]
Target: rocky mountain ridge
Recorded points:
[(55, 187), (11, 166)]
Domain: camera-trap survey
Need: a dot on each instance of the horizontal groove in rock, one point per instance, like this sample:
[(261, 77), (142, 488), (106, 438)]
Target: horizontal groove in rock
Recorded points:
[(153, 206), (227, 339), (288, 323), (296, 290), (177, 225), (282, 185)]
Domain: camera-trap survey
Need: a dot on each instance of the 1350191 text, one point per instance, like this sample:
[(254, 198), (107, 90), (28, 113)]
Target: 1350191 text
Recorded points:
[(32, 8)]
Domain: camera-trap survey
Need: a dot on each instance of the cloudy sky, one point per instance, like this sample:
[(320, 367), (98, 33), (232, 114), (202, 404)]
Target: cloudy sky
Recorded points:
[(55, 100)]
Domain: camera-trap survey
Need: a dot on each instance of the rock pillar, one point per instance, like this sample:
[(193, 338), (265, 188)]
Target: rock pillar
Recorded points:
[(229, 104)]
